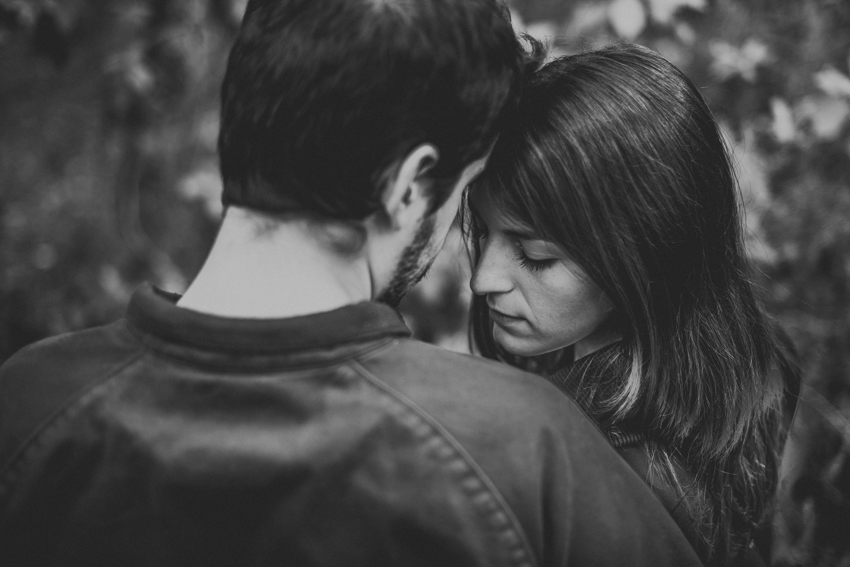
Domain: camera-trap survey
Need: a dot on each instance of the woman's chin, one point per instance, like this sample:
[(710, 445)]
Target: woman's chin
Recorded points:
[(523, 346), (517, 346)]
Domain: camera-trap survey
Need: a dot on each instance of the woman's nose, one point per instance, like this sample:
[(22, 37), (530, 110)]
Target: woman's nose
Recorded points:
[(490, 274)]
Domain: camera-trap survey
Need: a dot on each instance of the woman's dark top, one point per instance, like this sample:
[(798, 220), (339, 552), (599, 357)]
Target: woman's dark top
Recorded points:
[(592, 377)]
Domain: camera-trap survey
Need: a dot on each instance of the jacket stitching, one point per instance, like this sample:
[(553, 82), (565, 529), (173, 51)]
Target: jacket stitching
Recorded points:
[(482, 492)]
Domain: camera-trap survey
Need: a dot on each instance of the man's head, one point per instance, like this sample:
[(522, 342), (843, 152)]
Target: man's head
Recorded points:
[(322, 97), (327, 103)]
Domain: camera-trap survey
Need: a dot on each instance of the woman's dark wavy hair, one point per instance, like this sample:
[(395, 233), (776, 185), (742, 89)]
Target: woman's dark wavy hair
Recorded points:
[(616, 157)]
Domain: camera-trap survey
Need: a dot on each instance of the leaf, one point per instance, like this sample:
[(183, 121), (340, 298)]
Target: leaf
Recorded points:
[(833, 82), (755, 52), (825, 114), (627, 17), (729, 61), (663, 10), (783, 126), (204, 185), (685, 33), (65, 13)]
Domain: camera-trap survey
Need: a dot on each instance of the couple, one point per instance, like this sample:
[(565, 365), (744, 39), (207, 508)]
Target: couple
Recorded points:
[(279, 413)]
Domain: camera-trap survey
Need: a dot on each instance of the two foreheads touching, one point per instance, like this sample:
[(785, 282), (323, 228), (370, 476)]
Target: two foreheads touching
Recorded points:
[(346, 110)]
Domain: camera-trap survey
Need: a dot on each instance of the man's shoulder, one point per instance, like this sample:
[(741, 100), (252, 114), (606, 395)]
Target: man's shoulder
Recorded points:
[(415, 356), (99, 348), (552, 465), (490, 407), (41, 378), (433, 375)]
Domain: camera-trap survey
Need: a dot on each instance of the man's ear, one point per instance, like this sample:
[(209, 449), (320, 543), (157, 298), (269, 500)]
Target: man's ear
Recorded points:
[(407, 194)]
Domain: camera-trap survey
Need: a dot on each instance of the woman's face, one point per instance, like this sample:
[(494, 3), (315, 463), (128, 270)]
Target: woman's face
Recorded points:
[(539, 299)]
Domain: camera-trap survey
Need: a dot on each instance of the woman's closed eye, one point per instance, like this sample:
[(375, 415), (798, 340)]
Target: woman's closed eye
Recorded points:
[(535, 256)]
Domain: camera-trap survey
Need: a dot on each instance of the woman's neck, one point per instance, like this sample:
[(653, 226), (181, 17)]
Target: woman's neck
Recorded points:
[(603, 336)]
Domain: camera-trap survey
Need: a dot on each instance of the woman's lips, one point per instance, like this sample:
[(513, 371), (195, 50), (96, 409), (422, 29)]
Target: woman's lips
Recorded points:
[(503, 319)]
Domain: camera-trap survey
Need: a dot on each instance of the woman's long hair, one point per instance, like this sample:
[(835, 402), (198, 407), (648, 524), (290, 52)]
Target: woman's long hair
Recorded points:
[(616, 157)]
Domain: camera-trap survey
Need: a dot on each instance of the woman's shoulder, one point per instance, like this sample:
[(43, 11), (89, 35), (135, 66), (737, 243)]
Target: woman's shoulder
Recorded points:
[(680, 495)]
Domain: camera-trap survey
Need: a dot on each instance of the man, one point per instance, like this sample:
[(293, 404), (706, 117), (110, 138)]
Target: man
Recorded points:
[(276, 413)]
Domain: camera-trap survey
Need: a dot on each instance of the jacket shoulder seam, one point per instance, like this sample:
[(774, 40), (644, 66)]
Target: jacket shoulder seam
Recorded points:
[(50, 421), (482, 492)]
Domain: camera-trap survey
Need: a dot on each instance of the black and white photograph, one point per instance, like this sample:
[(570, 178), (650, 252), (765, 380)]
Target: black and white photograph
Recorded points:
[(425, 283)]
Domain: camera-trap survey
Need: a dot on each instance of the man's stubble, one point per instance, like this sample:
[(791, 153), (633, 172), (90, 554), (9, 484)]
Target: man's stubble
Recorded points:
[(413, 265)]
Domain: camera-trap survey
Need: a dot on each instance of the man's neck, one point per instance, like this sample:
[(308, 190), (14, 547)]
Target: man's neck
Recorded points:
[(260, 268)]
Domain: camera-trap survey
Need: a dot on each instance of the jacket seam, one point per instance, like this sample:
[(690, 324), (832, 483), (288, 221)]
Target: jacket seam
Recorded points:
[(500, 515), (7, 478)]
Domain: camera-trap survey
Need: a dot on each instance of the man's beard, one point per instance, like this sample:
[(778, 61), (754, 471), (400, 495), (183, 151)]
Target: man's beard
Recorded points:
[(410, 268)]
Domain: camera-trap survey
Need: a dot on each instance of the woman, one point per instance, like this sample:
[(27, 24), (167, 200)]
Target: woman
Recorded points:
[(608, 256)]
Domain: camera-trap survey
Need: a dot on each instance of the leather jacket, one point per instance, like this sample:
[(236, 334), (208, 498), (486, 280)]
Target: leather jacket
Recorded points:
[(173, 437)]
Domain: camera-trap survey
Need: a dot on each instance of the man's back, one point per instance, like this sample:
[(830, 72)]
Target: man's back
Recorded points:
[(277, 415), (176, 438)]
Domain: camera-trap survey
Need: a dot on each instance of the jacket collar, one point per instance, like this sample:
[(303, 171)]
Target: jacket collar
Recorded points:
[(154, 315)]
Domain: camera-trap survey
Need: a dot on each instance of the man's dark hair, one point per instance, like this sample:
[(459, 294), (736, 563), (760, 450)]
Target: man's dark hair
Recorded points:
[(322, 97)]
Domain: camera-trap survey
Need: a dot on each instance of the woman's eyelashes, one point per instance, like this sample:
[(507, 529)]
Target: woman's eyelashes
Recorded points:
[(480, 232), (532, 264)]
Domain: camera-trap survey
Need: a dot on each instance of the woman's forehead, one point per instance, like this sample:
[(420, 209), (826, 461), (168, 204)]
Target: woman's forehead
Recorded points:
[(513, 220), (485, 203)]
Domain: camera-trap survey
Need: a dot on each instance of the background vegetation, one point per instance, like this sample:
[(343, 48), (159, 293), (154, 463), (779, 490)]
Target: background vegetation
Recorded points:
[(108, 177)]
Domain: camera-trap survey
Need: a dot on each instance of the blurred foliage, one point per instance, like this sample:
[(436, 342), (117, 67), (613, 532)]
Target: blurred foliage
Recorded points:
[(108, 177), (108, 125)]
